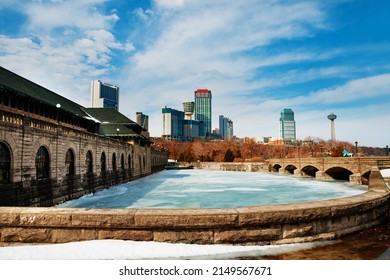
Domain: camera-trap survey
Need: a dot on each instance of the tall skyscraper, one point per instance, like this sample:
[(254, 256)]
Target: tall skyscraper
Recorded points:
[(287, 125), (225, 127), (203, 109), (142, 120), (104, 95)]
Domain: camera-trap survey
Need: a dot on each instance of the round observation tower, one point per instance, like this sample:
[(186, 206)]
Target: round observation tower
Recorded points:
[(332, 117), (189, 109)]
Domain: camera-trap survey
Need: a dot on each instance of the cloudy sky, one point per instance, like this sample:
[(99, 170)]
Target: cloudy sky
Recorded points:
[(256, 56)]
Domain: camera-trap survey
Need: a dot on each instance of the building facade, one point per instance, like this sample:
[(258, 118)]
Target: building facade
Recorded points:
[(287, 130), (225, 127), (104, 95), (53, 150), (142, 120), (172, 124), (177, 125), (203, 109)]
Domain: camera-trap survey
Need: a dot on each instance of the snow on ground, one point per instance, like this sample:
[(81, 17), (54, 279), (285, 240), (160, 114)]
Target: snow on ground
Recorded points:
[(136, 250), (385, 172)]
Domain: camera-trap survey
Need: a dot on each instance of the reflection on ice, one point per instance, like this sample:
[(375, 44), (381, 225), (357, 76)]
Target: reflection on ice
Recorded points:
[(214, 189)]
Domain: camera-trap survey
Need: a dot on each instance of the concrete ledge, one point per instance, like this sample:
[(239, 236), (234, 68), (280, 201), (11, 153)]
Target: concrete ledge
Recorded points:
[(289, 223)]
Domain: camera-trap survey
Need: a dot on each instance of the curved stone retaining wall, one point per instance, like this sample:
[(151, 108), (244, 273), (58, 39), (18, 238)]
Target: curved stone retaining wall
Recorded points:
[(277, 224)]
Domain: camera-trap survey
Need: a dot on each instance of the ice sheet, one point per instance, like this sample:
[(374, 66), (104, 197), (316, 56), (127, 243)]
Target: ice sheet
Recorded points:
[(214, 189)]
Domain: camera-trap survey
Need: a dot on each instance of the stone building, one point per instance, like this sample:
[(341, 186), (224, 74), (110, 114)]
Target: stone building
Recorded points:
[(53, 149)]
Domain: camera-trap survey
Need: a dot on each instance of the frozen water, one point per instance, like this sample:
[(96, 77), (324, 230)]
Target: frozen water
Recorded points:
[(214, 189)]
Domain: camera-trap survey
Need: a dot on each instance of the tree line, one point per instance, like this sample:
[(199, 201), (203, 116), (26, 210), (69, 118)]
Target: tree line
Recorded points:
[(248, 150)]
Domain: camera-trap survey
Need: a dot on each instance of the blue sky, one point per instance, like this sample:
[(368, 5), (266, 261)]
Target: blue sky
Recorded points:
[(257, 57)]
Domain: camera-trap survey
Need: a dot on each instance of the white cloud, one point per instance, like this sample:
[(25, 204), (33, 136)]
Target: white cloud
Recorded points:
[(368, 87), (79, 14), (200, 45), (169, 3), (236, 50), (64, 61), (354, 90)]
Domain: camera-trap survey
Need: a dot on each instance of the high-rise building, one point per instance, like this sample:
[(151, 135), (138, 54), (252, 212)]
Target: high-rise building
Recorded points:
[(104, 95), (142, 120), (172, 121), (287, 125), (203, 109), (225, 127), (176, 127)]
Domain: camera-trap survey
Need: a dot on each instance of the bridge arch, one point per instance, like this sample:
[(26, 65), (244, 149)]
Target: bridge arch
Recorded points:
[(365, 177), (339, 173), (275, 167), (310, 170), (290, 168)]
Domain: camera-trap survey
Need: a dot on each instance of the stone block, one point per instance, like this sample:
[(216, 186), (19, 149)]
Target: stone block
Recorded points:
[(136, 235), (355, 179), (298, 230), (26, 235), (103, 218), (186, 236), (247, 235), (185, 218), (47, 217), (72, 235), (9, 216), (264, 215)]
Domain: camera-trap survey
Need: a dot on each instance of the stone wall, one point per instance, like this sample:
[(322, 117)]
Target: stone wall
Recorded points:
[(233, 166), (276, 224), (125, 160)]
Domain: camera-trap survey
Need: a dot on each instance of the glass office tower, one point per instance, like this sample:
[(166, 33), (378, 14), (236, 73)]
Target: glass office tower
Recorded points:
[(287, 125), (203, 109)]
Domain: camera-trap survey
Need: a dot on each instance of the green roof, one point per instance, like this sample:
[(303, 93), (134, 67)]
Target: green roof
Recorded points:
[(25, 87), (111, 116), (112, 130), (108, 115)]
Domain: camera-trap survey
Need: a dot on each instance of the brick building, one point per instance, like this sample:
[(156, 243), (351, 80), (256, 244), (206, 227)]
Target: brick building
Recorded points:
[(53, 149)]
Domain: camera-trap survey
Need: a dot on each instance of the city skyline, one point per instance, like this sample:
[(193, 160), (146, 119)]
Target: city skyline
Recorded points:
[(257, 57)]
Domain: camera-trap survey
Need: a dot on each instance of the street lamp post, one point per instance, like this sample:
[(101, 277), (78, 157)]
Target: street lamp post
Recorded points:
[(356, 148)]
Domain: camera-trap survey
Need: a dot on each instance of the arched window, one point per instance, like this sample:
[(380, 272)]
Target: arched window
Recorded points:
[(103, 162), (113, 161), (42, 163), (5, 164), (122, 162), (89, 163), (69, 162)]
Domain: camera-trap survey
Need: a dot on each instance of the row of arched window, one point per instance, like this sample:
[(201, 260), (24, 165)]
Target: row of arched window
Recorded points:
[(42, 163)]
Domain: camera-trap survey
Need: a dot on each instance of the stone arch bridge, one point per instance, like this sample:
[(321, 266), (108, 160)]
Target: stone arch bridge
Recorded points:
[(354, 169)]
